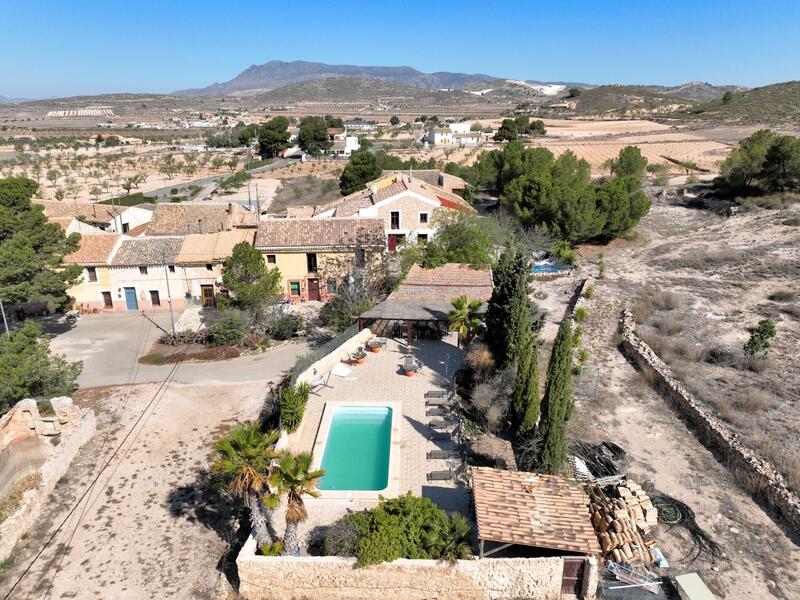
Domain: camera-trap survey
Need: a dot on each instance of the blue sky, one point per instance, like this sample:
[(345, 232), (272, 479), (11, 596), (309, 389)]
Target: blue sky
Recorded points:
[(61, 48)]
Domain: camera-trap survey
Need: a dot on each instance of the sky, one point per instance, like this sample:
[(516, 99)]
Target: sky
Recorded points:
[(56, 48)]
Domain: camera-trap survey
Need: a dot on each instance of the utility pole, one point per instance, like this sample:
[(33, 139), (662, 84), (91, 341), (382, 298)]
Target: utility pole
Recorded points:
[(169, 297), (5, 322)]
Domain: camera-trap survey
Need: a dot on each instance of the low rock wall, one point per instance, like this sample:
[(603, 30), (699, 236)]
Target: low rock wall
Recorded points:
[(763, 476), (336, 578), (51, 471)]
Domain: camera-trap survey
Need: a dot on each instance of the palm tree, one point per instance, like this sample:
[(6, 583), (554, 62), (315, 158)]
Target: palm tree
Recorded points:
[(244, 459), (464, 318), (293, 475), (451, 540)]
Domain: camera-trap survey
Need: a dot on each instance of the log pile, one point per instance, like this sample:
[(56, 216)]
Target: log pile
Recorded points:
[(623, 518)]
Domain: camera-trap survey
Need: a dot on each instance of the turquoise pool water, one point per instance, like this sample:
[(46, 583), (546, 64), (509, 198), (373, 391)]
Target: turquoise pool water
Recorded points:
[(357, 450)]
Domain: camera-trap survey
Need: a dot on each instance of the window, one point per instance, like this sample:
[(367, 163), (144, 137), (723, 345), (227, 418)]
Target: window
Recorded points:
[(155, 299), (143, 270), (91, 273), (422, 238), (423, 218), (395, 219), (294, 288), (311, 263), (209, 267), (126, 227), (361, 257), (172, 268), (271, 259)]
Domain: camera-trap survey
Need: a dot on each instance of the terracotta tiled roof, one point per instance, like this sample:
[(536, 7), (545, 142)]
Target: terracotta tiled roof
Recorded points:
[(288, 234), (444, 283), (101, 213), (95, 250), (545, 511), (143, 252), (194, 217), (204, 248), (391, 185)]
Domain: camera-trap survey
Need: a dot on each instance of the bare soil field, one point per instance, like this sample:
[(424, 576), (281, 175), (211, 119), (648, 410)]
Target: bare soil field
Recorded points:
[(722, 272), (149, 528)]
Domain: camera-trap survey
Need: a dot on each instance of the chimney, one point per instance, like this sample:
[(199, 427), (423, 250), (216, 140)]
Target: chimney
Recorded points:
[(199, 225), (230, 208)]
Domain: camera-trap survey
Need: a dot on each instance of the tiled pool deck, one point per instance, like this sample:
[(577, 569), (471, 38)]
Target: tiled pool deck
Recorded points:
[(381, 380)]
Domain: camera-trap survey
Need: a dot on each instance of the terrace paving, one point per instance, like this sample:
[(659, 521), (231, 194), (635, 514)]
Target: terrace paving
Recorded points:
[(380, 379)]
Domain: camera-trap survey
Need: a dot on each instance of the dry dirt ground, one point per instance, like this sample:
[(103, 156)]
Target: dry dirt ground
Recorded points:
[(147, 530), (761, 557)]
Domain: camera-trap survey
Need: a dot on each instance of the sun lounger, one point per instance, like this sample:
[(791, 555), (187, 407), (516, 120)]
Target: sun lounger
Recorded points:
[(439, 424), (442, 454), (436, 394), (441, 475), (439, 436), (439, 411), (437, 402)]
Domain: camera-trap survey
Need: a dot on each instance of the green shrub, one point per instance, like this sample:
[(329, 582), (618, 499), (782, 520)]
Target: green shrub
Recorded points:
[(403, 527), (601, 266), (293, 406), (589, 291), (229, 329), (782, 296), (282, 326), (563, 252), (46, 408), (580, 314), (339, 314)]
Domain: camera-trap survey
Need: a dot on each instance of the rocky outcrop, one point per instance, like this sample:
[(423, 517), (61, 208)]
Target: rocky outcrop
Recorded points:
[(760, 474)]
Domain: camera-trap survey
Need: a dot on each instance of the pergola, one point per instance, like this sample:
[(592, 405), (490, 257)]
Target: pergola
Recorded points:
[(530, 509), (425, 295)]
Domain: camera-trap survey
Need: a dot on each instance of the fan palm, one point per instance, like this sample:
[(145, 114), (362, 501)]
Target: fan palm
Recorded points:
[(464, 319), (451, 540), (243, 462), (293, 475)]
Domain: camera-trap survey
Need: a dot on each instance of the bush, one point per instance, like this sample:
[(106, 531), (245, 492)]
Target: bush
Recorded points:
[(782, 296), (338, 314), (404, 527), (282, 326), (589, 292), (46, 408), (293, 406), (580, 314), (490, 401), (563, 252), (479, 359), (229, 329)]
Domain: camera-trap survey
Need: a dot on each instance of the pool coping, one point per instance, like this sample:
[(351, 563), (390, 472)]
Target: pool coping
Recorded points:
[(393, 485)]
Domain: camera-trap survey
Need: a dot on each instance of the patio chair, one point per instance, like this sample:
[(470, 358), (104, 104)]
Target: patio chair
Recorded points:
[(442, 455), (409, 364), (320, 383), (441, 475)]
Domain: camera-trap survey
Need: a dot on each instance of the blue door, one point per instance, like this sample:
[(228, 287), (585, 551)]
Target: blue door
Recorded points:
[(130, 298)]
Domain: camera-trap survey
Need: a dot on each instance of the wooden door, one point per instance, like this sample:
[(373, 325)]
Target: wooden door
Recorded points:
[(572, 576), (207, 295), (313, 289), (107, 301)]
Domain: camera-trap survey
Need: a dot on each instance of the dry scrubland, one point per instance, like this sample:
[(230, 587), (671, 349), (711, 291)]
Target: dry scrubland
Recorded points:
[(695, 282)]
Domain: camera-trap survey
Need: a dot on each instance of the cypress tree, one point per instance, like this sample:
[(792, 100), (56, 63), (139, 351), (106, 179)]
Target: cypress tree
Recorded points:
[(526, 387), (556, 404), (509, 309)]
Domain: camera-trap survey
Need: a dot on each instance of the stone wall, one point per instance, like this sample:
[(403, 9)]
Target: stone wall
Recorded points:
[(764, 477), (336, 578), (51, 471)]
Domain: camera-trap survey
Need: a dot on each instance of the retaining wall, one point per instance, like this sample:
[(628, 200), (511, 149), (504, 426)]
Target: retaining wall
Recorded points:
[(327, 362), (336, 578), (51, 471), (766, 479)]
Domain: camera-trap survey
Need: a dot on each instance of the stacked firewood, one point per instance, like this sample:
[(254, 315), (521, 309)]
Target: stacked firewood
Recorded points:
[(622, 518)]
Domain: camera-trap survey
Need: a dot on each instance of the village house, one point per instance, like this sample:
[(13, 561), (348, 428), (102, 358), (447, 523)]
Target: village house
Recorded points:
[(115, 219), (94, 291), (435, 177), (200, 261), (143, 274), (406, 206), (313, 254), (193, 217)]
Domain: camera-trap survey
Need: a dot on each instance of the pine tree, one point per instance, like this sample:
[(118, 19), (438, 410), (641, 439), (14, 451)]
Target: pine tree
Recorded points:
[(526, 387), (556, 404)]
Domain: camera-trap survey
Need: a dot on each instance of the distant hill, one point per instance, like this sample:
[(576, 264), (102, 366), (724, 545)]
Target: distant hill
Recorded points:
[(696, 90), (277, 73), (619, 101), (772, 104)]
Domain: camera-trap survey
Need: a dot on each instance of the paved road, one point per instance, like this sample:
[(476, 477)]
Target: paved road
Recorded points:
[(164, 194), (110, 344)]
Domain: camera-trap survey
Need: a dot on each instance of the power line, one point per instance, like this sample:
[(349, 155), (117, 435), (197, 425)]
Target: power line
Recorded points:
[(161, 387)]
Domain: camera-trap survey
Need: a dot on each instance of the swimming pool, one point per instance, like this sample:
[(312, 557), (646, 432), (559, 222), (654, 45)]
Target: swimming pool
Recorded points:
[(356, 453)]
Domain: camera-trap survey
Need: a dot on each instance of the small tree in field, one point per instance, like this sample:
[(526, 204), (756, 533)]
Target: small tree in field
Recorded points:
[(760, 337)]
